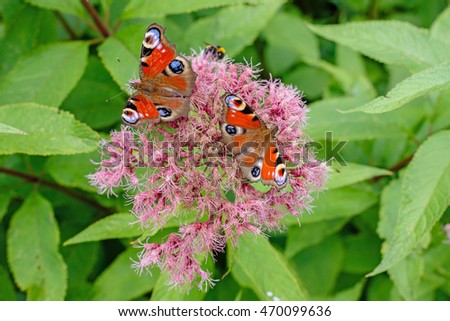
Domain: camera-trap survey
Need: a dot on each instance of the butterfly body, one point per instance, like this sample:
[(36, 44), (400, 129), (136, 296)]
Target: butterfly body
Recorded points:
[(252, 143), (166, 81)]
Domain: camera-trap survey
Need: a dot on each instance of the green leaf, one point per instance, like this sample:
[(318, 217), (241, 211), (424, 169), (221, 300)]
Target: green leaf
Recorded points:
[(32, 245), (118, 60), (119, 281), (4, 203), (96, 88), (441, 26), (234, 27), (353, 173), (82, 261), (274, 281), (311, 80), (19, 38), (310, 234), (351, 294), (324, 117), (114, 226), (71, 170), (343, 202), (67, 6), (6, 129), (422, 83), (288, 30), (379, 288), (390, 203), (49, 131), (7, 291), (354, 262), (425, 195), (163, 292), (441, 119), (319, 272), (279, 59), (46, 75), (140, 9), (390, 42), (407, 275)]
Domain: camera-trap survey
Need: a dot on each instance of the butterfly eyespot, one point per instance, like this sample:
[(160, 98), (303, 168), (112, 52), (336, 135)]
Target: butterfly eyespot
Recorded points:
[(152, 38), (256, 171), (280, 174), (130, 116), (176, 66), (235, 102), (231, 130), (164, 112)]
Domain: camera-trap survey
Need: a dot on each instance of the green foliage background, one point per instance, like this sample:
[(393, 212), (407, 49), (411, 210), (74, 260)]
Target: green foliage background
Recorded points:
[(376, 74)]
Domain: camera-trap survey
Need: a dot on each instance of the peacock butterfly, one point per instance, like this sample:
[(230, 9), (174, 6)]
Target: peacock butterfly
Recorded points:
[(165, 82), (249, 139)]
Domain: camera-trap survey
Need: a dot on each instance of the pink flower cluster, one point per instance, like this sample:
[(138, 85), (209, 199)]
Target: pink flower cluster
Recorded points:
[(174, 171)]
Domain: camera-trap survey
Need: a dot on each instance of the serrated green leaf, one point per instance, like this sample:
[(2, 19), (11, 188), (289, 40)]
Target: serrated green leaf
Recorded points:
[(163, 292), (391, 42), (390, 203), (425, 195), (441, 119), (46, 75), (319, 272), (67, 6), (6, 129), (71, 170), (290, 31), (111, 227), (419, 84), (406, 276), (49, 131), (274, 281), (353, 173), (96, 100), (324, 117), (32, 245), (342, 202), (234, 27), (119, 281), (441, 26), (311, 234), (141, 9)]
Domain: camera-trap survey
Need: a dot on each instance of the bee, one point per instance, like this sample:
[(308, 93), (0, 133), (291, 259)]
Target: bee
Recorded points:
[(218, 52)]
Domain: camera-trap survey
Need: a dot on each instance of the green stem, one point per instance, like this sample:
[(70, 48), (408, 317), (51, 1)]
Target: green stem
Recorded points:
[(96, 17), (69, 192)]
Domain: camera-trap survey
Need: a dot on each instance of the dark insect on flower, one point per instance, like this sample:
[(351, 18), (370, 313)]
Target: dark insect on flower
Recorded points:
[(218, 52)]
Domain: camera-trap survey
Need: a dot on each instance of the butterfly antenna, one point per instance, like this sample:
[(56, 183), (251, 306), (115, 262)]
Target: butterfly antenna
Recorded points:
[(115, 96)]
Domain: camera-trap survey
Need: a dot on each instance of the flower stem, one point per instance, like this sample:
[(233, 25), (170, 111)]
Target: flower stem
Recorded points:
[(74, 194), (96, 17)]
